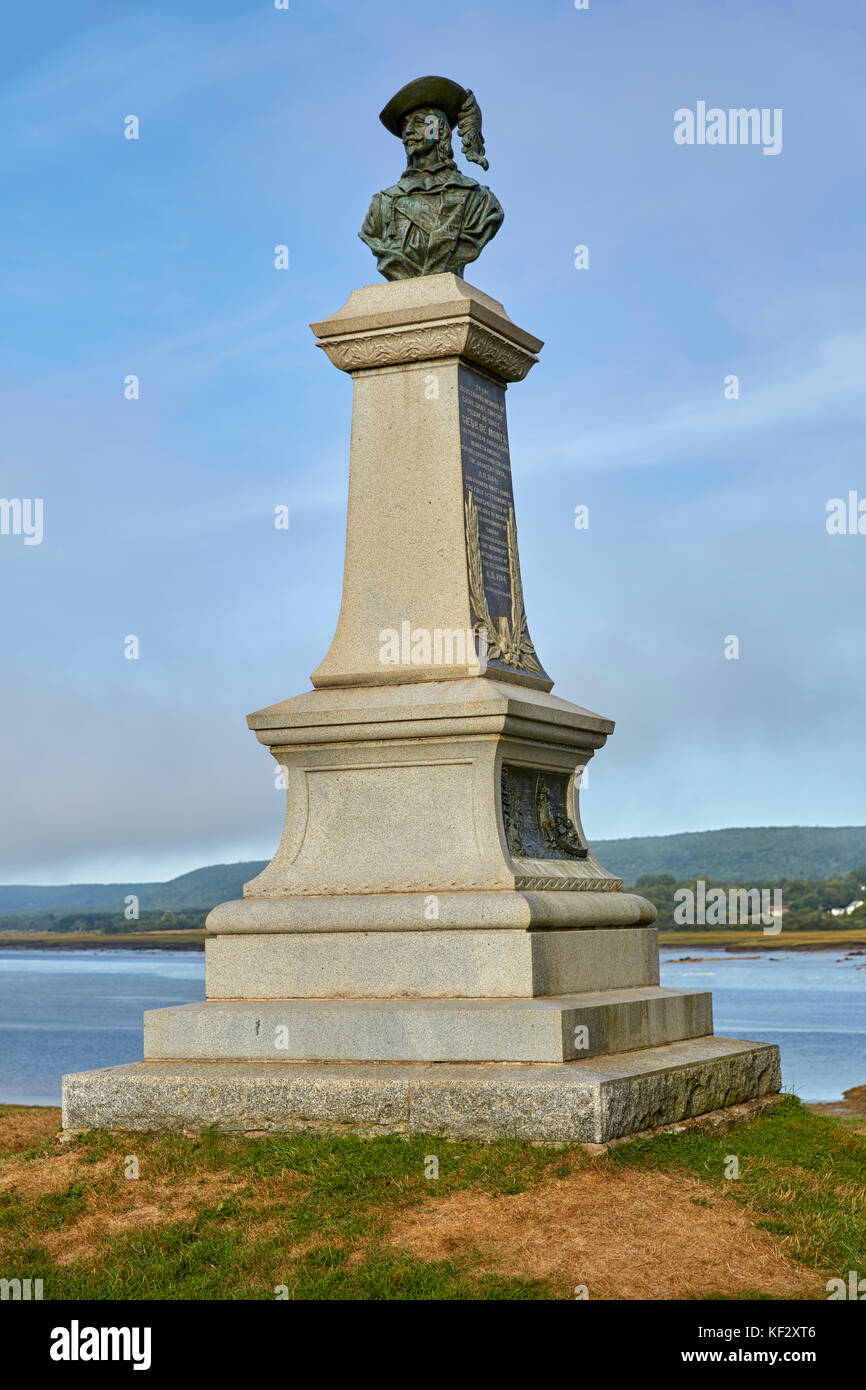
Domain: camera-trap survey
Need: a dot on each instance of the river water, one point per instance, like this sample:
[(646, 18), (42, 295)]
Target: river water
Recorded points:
[(63, 1011), (811, 1003)]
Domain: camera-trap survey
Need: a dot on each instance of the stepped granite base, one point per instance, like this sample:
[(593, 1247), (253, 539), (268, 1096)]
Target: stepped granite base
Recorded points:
[(433, 948)]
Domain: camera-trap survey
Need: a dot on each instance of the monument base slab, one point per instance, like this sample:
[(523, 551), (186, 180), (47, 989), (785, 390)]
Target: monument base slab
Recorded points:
[(558, 1029), (590, 1101)]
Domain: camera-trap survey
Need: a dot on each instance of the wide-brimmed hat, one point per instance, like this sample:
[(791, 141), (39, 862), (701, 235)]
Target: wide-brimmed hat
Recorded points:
[(441, 92)]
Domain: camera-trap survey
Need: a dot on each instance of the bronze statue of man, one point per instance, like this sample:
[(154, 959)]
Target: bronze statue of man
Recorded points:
[(435, 218)]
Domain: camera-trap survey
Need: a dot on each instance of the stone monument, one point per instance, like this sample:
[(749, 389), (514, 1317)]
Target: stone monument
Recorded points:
[(434, 946)]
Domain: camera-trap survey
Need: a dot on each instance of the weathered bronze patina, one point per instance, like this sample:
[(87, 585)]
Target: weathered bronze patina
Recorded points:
[(435, 218)]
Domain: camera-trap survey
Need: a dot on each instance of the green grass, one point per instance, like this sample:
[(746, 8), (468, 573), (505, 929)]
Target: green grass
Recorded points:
[(804, 1173), (311, 1211)]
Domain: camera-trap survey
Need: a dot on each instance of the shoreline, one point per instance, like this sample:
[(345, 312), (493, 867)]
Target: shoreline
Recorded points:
[(194, 940), (854, 948), (106, 943), (748, 943)]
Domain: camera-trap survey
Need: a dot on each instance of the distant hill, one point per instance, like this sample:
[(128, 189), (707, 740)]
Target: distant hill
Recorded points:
[(202, 888), (751, 854), (747, 855)]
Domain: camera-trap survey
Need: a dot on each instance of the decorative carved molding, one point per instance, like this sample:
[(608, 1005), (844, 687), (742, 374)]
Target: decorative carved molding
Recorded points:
[(570, 885), (335, 888), (499, 356), (392, 347)]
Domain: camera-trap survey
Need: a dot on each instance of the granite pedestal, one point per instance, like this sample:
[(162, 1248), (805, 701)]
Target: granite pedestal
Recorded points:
[(433, 947)]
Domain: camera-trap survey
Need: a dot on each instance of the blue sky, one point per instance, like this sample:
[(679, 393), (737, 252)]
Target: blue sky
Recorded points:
[(155, 257)]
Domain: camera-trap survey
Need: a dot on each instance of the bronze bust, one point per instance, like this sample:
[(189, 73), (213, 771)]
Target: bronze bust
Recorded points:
[(434, 218)]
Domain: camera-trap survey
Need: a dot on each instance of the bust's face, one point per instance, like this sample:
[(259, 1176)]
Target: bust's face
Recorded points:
[(421, 131)]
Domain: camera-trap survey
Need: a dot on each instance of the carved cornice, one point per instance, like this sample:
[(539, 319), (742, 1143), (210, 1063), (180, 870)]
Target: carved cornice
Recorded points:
[(474, 342), (288, 888)]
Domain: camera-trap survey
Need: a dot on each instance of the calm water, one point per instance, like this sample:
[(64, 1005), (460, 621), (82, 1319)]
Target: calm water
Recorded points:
[(75, 1010), (811, 1003)]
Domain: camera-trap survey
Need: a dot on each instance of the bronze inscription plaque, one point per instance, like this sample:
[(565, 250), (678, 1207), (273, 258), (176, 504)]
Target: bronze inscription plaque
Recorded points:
[(491, 533)]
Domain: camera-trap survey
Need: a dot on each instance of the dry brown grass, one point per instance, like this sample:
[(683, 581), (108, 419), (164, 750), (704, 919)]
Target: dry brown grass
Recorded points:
[(115, 1205), (623, 1234), (27, 1126), (51, 1173), (135, 1205), (646, 1222)]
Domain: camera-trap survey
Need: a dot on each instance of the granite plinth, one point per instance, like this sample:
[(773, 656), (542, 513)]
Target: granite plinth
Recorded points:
[(592, 1101), (484, 964)]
